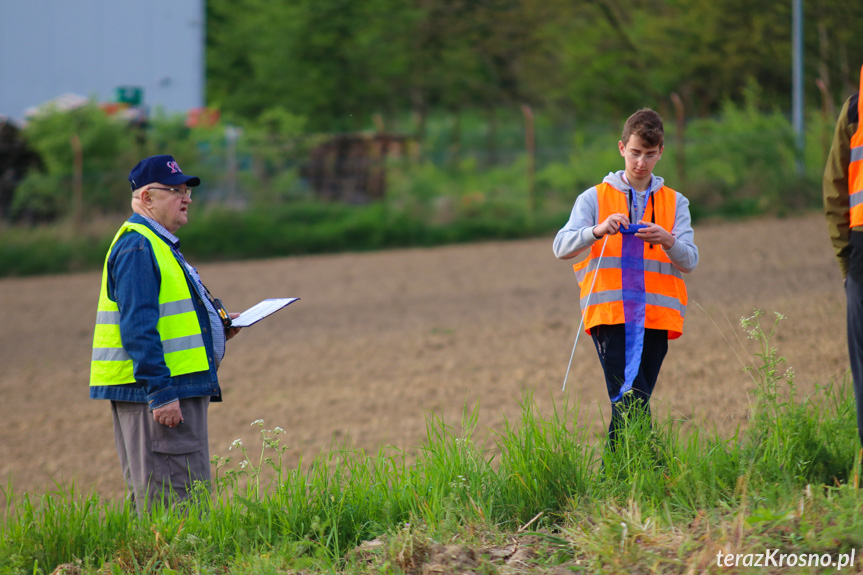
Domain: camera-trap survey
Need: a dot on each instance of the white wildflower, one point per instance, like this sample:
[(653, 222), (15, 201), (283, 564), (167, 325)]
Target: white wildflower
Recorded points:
[(237, 443)]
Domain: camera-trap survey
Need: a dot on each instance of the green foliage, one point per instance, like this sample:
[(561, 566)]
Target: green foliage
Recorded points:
[(56, 527), (306, 228), (808, 440), (46, 250), (200, 150), (309, 57), (340, 63), (545, 463), (589, 161), (105, 145), (40, 197), (255, 203), (276, 143), (745, 163), (790, 441)]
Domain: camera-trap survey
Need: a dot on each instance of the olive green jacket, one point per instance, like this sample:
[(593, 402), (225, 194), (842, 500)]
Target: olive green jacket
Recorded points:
[(835, 182)]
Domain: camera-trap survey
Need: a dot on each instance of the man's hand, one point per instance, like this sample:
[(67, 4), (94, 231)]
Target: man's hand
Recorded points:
[(169, 414), (611, 225), (655, 234), (234, 330)]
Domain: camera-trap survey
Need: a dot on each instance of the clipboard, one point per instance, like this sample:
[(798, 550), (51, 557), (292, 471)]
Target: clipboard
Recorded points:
[(261, 310)]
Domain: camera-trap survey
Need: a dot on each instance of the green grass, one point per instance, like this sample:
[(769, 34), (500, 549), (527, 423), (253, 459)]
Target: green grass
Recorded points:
[(667, 500)]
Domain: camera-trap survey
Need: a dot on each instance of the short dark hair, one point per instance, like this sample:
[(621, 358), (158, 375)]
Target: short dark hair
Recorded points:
[(647, 125)]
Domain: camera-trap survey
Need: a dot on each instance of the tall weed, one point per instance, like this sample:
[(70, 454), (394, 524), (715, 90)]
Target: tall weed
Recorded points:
[(808, 439)]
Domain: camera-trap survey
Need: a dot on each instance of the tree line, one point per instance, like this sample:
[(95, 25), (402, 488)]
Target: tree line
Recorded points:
[(338, 63)]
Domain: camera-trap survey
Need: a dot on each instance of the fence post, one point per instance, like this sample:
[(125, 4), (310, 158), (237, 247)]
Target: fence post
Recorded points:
[(232, 134), (530, 145), (680, 151), (77, 182)]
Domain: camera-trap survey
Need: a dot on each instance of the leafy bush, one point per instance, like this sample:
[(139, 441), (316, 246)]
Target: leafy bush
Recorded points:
[(106, 148), (265, 158), (743, 163), (46, 250), (739, 164), (589, 161), (308, 228)]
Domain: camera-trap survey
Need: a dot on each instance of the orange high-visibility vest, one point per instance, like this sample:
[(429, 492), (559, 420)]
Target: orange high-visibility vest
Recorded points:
[(855, 167), (665, 297)]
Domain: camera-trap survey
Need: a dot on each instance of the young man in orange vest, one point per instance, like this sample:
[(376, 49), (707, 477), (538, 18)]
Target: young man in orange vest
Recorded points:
[(640, 238), (842, 188)]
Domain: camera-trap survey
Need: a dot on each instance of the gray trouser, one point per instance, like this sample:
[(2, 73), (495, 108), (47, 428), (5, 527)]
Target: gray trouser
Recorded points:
[(854, 294), (159, 463)]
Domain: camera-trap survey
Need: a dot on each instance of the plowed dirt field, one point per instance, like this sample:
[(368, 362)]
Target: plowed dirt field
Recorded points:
[(380, 340)]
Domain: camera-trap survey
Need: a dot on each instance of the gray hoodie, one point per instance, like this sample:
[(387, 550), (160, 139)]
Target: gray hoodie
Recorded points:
[(577, 235)]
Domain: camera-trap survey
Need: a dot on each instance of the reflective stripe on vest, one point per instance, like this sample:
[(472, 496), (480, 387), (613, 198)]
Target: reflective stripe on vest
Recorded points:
[(178, 326), (664, 292), (855, 168)]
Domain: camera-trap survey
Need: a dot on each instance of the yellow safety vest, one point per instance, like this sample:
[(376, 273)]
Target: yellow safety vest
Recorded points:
[(178, 324), (855, 166)]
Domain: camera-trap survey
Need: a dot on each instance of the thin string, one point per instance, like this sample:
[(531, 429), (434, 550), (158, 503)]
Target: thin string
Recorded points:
[(584, 311)]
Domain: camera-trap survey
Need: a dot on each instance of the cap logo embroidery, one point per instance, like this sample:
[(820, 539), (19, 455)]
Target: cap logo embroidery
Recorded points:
[(175, 167)]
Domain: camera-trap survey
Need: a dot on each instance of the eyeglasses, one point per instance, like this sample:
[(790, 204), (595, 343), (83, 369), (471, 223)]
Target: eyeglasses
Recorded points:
[(647, 157), (179, 191)]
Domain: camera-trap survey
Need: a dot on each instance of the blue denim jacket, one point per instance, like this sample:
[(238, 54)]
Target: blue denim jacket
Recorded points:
[(133, 282)]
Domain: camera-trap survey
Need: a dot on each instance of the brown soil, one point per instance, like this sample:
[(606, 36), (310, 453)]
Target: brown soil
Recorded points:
[(380, 340)]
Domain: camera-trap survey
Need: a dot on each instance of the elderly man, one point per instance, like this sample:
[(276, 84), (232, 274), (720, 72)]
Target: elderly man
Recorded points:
[(159, 339)]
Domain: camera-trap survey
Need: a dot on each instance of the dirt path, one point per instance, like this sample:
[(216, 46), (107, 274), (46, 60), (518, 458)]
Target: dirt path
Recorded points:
[(379, 340)]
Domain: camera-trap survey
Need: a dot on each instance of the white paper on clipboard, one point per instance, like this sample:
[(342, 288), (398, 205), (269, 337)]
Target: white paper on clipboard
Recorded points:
[(261, 310)]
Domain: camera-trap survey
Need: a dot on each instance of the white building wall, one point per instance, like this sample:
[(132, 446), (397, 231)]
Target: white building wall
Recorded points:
[(91, 47)]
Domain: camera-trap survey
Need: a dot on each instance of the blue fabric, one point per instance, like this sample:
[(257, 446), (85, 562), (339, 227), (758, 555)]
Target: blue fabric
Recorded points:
[(634, 297), (162, 169), (133, 282)]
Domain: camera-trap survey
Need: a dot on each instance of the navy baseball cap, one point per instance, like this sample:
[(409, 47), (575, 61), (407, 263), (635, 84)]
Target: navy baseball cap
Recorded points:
[(162, 169)]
